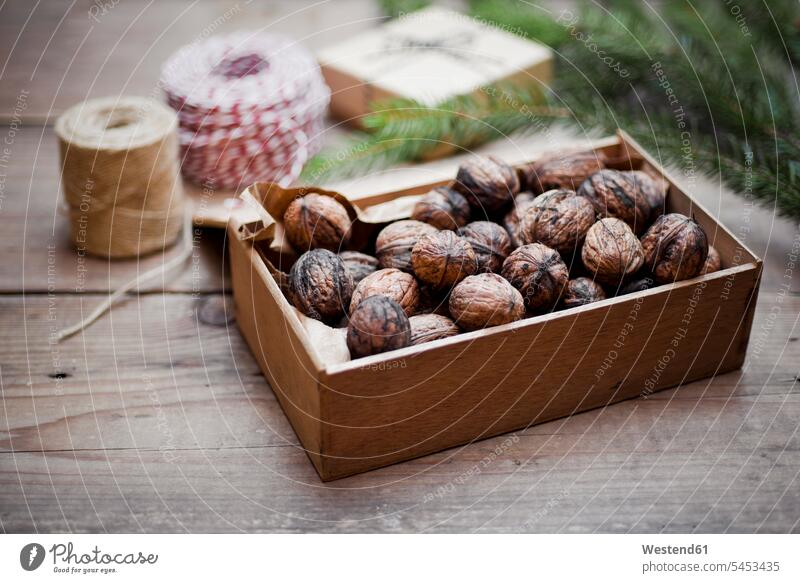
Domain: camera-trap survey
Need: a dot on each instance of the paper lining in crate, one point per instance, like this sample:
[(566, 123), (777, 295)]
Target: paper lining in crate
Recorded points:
[(428, 56), (354, 416)]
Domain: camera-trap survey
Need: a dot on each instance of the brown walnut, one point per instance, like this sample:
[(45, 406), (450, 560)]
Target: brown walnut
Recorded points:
[(429, 327), (581, 291), (320, 285), (488, 184), (512, 219), (360, 265), (443, 207), (316, 221), (558, 219), (611, 251), (675, 248), (395, 242), (563, 170), (619, 195), (485, 300), (539, 273), (442, 259), (490, 242), (398, 285), (379, 324), (713, 261)]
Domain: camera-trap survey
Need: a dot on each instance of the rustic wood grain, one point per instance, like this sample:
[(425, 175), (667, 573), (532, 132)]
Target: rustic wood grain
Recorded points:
[(64, 52), (201, 445)]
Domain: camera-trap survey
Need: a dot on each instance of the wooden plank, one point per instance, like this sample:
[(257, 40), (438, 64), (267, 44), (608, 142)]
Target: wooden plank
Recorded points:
[(60, 53), (109, 463), (256, 490)]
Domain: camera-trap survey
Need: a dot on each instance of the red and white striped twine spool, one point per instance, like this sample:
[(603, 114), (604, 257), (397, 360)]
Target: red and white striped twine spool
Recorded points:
[(250, 107)]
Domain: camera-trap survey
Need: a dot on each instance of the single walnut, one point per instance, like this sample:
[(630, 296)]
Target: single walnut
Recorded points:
[(428, 327), (611, 251), (675, 248), (654, 191), (558, 219), (488, 184), (563, 170), (320, 285), (360, 265), (713, 261), (443, 207), (316, 221), (395, 242), (379, 324), (539, 273), (485, 300), (512, 219), (442, 259), (490, 242), (392, 283), (618, 194), (581, 291)]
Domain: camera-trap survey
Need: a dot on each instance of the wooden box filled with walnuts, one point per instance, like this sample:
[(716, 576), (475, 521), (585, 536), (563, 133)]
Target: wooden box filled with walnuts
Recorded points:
[(409, 322)]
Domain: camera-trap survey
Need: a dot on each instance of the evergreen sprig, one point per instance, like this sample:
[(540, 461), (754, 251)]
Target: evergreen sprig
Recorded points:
[(710, 86)]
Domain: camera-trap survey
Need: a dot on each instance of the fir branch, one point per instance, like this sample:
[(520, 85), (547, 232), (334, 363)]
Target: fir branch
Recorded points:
[(732, 109)]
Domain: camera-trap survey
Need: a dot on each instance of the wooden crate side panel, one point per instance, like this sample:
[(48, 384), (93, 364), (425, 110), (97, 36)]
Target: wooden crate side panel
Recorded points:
[(408, 406), (276, 347)]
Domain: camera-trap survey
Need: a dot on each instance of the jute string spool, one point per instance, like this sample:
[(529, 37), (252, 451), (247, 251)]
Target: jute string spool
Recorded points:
[(120, 175)]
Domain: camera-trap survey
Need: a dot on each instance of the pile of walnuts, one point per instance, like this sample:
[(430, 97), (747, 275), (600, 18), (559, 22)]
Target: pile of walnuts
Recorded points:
[(495, 246)]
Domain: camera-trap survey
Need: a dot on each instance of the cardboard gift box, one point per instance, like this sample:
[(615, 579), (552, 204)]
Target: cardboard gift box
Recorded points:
[(353, 416), (428, 56)]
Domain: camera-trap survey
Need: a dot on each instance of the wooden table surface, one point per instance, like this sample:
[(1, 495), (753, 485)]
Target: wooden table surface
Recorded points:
[(157, 419)]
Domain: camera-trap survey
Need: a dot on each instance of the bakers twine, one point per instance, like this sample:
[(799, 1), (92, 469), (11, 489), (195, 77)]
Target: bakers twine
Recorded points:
[(120, 175), (250, 107), (121, 182)]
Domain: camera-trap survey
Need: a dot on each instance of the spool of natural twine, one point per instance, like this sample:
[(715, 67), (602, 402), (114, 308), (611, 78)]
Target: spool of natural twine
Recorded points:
[(120, 175)]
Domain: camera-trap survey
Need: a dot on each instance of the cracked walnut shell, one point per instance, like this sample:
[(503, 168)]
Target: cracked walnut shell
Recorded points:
[(485, 300), (443, 207), (558, 219), (442, 259), (392, 283), (675, 248), (488, 184), (377, 325), (316, 221), (490, 242), (320, 285), (539, 273), (429, 327), (395, 242), (611, 251)]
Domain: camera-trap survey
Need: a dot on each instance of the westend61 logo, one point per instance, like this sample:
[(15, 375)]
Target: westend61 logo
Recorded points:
[(66, 560)]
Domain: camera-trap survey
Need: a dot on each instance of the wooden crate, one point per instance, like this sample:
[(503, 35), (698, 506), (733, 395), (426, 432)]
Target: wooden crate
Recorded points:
[(356, 416)]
